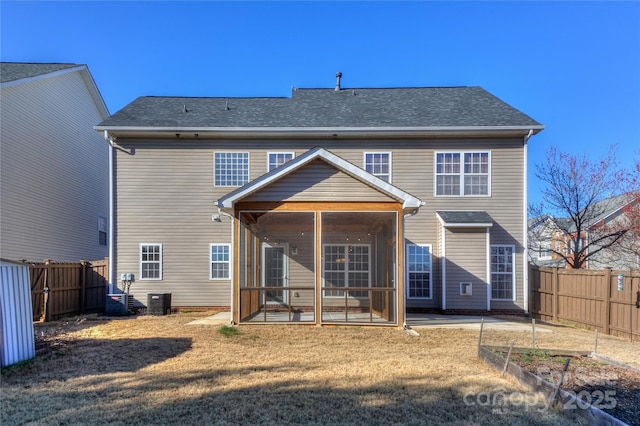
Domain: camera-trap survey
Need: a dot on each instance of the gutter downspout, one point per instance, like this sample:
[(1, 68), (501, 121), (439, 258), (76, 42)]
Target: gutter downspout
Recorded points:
[(112, 262), (231, 272), (525, 254)]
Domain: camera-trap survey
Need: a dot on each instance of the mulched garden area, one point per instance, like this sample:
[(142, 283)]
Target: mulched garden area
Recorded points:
[(612, 388)]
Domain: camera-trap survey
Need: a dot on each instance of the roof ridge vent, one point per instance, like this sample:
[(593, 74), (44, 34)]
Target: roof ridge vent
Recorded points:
[(338, 77)]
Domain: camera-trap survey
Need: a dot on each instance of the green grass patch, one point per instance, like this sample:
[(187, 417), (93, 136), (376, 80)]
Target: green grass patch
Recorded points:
[(535, 354), (228, 331)]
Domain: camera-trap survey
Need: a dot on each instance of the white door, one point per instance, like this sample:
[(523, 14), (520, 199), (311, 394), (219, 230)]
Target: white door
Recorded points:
[(275, 272)]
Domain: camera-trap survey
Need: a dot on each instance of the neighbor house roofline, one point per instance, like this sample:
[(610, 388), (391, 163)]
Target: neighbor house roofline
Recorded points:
[(82, 69)]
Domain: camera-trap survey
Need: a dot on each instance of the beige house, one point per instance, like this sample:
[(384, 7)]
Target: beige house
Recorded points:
[(331, 206), (54, 169)]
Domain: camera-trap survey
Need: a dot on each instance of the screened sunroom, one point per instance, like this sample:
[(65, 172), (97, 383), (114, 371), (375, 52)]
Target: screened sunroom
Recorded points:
[(307, 259)]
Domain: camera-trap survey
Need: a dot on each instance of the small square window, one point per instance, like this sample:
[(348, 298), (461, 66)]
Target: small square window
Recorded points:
[(277, 159), (378, 164)]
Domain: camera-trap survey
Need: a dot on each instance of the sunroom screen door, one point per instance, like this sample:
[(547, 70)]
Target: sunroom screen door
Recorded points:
[(275, 271)]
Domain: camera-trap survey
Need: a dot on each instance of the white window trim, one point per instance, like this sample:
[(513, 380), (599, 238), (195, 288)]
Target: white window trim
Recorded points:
[(346, 270), (513, 273), (430, 271), (364, 162), (230, 262), (232, 152), (462, 174), (293, 155), (140, 261)]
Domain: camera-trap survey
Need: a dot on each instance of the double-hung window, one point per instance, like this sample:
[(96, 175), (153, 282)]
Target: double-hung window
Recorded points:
[(230, 168), (378, 164), (503, 272), (220, 261), (463, 173), (346, 266), (419, 271), (277, 159), (150, 261)]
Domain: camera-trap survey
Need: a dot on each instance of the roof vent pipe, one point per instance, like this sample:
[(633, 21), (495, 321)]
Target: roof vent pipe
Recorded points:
[(338, 77)]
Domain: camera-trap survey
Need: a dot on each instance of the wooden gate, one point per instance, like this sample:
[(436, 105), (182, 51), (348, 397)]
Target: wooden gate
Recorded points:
[(60, 289)]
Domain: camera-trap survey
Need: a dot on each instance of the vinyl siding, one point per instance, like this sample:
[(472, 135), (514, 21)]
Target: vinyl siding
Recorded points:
[(53, 171), (466, 262), (318, 181), (165, 194)]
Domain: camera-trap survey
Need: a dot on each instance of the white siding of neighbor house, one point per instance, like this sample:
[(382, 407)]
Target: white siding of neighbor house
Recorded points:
[(165, 194), (53, 170)]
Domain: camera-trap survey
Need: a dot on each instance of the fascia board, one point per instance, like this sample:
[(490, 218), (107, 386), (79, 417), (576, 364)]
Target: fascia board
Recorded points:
[(319, 131)]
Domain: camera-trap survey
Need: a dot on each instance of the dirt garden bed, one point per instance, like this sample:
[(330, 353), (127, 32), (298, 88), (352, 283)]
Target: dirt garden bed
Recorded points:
[(590, 380)]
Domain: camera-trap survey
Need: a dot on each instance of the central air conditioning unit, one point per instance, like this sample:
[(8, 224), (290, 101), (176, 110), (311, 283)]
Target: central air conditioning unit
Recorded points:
[(466, 289), (158, 303), (117, 304)]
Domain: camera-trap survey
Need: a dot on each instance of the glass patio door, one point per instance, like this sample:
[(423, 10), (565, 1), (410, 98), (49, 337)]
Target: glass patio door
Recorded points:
[(275, 271)]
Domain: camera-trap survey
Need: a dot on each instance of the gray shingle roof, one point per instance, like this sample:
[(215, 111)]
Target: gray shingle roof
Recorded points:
[(327, 108), (452, 218), (10, 71)]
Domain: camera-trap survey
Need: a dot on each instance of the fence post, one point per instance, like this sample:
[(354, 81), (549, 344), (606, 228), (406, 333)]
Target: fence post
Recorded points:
[(83, 285), (46, 316), (607, 301), (554, 294)]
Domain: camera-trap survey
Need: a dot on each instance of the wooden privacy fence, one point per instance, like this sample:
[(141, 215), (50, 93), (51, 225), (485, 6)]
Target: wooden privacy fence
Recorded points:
[(59, 289), (604, 299)]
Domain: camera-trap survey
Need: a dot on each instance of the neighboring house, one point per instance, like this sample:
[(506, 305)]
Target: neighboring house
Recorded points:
[(621, 212), (547, 241), (331, 206), (54, 175), (551, 238)]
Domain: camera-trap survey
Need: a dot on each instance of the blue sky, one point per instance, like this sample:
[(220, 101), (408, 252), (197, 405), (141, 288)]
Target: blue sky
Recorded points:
[(573, 66)]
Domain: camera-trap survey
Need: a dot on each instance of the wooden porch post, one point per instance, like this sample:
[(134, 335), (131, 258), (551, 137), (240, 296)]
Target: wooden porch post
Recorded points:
[(400, 267), (318, 303), (235, 297)]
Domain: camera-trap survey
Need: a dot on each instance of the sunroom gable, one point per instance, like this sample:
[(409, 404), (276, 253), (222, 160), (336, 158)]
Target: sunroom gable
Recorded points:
[(322, 175), (318, 181)]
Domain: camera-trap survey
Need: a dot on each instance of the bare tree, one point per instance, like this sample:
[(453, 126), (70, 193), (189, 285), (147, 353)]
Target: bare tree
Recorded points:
[(575, 195), (626, 253)]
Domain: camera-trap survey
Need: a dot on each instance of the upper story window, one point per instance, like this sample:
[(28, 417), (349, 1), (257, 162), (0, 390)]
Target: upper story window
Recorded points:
[(230, 168), (378, 164), (102, 230), (277, 159), (463, 173)]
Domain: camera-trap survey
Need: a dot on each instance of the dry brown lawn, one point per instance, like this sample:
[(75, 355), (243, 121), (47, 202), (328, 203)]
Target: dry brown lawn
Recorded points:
[(159, 370)]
